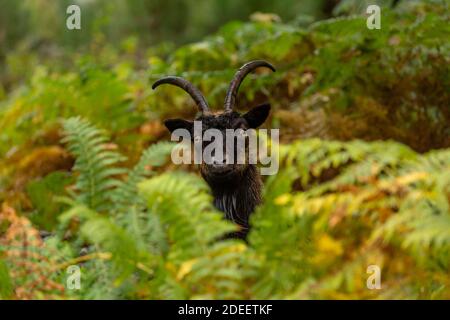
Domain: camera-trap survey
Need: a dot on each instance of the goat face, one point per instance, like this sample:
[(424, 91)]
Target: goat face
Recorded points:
[(226, 166), (221, 168)]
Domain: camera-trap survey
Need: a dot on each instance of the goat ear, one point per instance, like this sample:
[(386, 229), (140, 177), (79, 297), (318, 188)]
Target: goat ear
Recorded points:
[(256, 116), (173, 124)]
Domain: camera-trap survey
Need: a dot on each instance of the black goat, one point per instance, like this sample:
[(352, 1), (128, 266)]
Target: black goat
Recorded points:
[(236, 187)]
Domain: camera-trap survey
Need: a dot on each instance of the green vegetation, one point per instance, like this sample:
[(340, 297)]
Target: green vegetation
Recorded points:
[(364, 118)]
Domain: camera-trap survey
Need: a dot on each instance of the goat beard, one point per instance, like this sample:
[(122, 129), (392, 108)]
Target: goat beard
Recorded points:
[(226, 180), (237, 195)]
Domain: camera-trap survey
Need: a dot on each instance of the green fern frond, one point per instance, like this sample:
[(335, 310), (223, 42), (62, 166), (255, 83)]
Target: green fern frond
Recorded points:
[(201, 266), (129, 208), (183, 203), (94, 162), (6, 283), (381, 192), (110, 238), (124, 196)]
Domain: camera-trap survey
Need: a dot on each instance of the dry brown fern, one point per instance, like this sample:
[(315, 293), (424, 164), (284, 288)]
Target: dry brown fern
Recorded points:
[(31, 264)]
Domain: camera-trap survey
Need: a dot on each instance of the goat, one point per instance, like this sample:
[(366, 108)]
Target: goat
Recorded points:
[(236, 188)]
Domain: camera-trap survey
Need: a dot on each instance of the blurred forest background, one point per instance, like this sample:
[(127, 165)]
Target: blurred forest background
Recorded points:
[(85, 171)]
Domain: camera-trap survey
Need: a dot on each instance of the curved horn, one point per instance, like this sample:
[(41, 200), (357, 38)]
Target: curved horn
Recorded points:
[(193, 91), (239, 76)]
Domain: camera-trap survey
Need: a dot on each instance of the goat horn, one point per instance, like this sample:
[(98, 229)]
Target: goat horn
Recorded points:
[(239, 76), (193, 91)]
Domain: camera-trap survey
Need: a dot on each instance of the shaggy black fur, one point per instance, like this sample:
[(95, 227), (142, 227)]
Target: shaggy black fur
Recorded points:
[(237, 197), (237, 191)]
